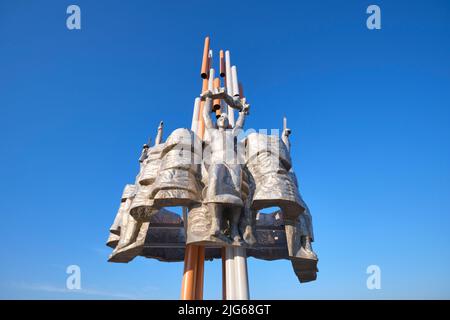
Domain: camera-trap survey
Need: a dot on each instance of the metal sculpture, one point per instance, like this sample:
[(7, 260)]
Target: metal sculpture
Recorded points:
[(222, 178)]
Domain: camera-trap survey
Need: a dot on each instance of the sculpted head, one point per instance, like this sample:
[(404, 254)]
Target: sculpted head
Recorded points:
[(222, 121)]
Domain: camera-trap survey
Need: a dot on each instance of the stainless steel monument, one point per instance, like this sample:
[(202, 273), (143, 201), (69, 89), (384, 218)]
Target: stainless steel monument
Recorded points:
[(223, 178)]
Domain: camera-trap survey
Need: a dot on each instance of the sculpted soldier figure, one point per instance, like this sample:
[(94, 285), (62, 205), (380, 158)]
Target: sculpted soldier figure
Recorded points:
[(300, 230), (225, 168)]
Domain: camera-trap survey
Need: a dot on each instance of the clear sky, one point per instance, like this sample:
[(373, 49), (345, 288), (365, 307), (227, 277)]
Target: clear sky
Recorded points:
[(369, 111)]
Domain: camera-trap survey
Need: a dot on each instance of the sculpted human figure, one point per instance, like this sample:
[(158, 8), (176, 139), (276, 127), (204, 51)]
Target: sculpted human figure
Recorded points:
[(304, 223), (129, 226), (223, 194), (307, 234)]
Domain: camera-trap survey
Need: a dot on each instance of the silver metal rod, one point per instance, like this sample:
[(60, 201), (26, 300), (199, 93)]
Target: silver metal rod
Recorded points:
[(211, 79), (234, 81), (241, 274), (229, 86), (236, 273), (210, 56), (194, 123), (230, 276), (228, 78)]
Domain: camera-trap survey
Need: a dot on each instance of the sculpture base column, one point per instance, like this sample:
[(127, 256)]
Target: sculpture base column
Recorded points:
[(200, 273), (236, 274), (188, 284), (230, 278), (194, 263), (241, 275)]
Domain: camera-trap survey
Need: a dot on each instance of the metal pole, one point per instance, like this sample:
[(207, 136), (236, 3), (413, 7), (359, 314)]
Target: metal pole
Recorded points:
[(205, 60), (190, 272), (235, 257), (229, 251), (222, 64), (200, 272), (229, 85), (194, 123), (234, 81), (194, 256), (241, 274), (228, 73), (230, 276), (211, 79)]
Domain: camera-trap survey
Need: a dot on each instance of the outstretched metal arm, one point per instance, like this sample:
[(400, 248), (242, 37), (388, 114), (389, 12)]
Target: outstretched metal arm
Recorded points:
[(220, 93), (241, 119), (233, 102)]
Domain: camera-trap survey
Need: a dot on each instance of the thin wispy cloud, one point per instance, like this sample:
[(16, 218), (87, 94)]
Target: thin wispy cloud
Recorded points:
[(84, 292)]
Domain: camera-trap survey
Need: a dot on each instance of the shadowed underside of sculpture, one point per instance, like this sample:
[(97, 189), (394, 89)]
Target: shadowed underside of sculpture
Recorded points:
[(165, 240)]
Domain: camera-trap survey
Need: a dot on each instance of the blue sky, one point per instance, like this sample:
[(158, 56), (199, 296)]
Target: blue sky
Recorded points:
[(369, 111)]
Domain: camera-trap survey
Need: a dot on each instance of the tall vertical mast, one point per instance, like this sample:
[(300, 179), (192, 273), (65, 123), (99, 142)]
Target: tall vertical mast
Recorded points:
[(194, 256)]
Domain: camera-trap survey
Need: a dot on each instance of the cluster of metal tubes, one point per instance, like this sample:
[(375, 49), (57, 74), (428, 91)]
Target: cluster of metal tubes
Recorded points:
[(234, 260)]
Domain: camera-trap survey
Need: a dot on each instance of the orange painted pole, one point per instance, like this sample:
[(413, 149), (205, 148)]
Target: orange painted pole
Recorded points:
[(200, 256), (190, 273), (216, 103), (222, 64), (200, 272), (194, 256), (194, 262), (205, 60)]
